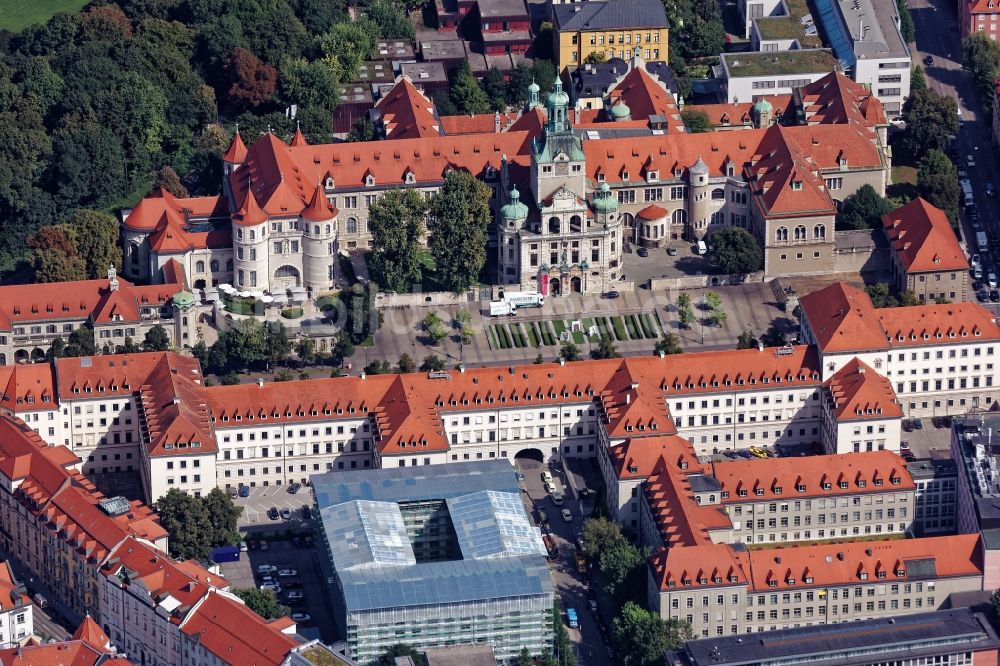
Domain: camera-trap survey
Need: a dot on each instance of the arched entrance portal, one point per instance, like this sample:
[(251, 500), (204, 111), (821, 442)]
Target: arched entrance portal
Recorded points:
[(37, 354), (530, 454), (286, 277), (21, 356), (576, 284), (555, 287)]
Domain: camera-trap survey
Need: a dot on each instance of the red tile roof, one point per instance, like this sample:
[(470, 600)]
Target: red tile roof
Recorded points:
[(830, 564), (740, 113), (786, 180), (153, 210), (66, 653), (237, 151), (860, 393), (836, 99), (177, 418), (782, 478), (680, 520), (645, 97), (922, 238), (28, 387), (299, 139), (319, 209), (652, 212), (483, 123), (235, 634), (10, 597), (637, 457), (407, 113), (92, 633), (842, 318), (701, 566)]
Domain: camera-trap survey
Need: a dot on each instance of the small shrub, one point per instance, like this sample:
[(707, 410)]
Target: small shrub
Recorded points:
[(291, 313)]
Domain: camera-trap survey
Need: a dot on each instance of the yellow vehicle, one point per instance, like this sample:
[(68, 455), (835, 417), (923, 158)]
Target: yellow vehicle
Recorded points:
[(758, 452), (581, 563)]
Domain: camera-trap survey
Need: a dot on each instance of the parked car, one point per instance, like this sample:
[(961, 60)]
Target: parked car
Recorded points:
[(306, 513), (918, 424), (266, 568), (557, 498), (263, 545), (758, 452), (642, 252), (970, 159), (977, 272), (543, 518), (296, 595), (286, 514), (982, 296), (744, 454), (991, 279), (994, 296), (903, 446), (567, 515), (546, 475), (302, 618), (294, 488), (288, 573), (244, 491), (244, 547), (233, 491), (549, 487), (974, 260), (611, 294), (929, 60), (672, 251), (274, 587)]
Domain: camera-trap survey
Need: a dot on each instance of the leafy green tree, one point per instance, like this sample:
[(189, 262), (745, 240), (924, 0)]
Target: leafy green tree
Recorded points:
[(520, 79), (937, 182), (544, 72), (863, 209), (362, 130), (458, 221), (696, 121), (81, 342), (668, 344), (230, 379), (595, 58), (342, 347), (378, 367), (736, 251), (599, 534), (406, 364), (685, 311), (223, 515), (604, 349), (640, 637), (396, 222), (346, 46), (156, 339), (620, 562), (186, 521), (432, 363), (881, 295), (95, 234), (931, 120), (570, 352), (435, 328), (361, 319), (245, 344), (746, 341), (524, 658), (305, 349), (54, 256), (309, 83), (774, 337), (918, 80), (495, 87), (390, 19), (128, 347), (277, 346), (981, 56), (906, 28), (56, 349), (713, 300), (466, 94), (262, 602), (401, 650)]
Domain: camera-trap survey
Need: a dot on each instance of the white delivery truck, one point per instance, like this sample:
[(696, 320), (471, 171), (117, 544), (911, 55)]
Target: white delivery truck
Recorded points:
[(524, 299), (982, 242), (967, 195), (502, 309)]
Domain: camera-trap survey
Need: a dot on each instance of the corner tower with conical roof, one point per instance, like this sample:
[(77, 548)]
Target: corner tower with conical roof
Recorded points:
[(557, 158), (319, 233)]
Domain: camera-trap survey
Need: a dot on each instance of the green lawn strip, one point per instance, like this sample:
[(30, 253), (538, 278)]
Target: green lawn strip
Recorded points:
[(559, 326), (515, 335), (633, 332), (532, 333), (602, 328), (619, 326), (578, 337), (659, 328), (492, 338), (502, 336), (15, 15), (546, 332), (647, 325)]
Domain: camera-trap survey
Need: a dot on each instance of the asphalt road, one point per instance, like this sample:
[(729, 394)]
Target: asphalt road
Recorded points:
[(570, 586), (938, 36)]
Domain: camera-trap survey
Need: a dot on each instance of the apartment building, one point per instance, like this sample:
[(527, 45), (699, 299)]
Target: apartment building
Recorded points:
[(611, 29), (727, 590), (940, 359), (976, 509), (978, 16), (935, 495), (925, 256), (16, 619), (88, 646)]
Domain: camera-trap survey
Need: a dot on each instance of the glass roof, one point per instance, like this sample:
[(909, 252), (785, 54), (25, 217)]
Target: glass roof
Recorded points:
[(366, 533), (493, 524)]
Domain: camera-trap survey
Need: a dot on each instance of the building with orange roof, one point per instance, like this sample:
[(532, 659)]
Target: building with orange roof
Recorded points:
[(976, 17), (860, 410), (939, 358), (16, 619), (32, 317), (88, 646), (925, 257)]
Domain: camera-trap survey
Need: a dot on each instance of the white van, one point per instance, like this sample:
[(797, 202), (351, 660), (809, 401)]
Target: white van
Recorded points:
[(702, 248)]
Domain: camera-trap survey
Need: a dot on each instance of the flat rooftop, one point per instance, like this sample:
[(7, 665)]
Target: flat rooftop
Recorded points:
[(779, 63), (871, 25), (502, 9), (794, 25), (931, 468), (396, 49), (424, 72), (443, 49), (848, 644), (978, 438)]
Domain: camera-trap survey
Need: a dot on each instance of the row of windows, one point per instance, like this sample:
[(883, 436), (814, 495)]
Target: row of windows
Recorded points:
[(800, 233)]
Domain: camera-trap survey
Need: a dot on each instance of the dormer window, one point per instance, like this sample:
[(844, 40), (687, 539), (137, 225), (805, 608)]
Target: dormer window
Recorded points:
[(329, 183), (369, 180), (600, 178), (624, 175), (777, 490), (796, 185), (843, 485), (862, 483), (826, 486), (759, 491), (800, 488), (863, 575), (880, 574), (410, 178), (653, 176), (808, 580), (742, 493)]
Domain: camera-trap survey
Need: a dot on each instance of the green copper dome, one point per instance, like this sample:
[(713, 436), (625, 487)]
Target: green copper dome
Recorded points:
[(620, 111), (604, 200), (558, 97), (184, 299), (514, 209), (763, 106)]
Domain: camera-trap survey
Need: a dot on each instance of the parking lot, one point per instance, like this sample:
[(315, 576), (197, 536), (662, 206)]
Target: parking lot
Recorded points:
[(931, 440), (659, 264), (282, 554), (262, 498)]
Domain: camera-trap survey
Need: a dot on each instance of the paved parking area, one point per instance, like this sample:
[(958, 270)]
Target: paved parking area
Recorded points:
[(282, 554), (933, 440), (262, 498), (660, 264)]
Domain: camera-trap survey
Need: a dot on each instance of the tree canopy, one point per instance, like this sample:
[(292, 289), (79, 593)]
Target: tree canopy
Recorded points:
[(863, 209), (396, 222), (262, 602), (198, 524), (642, 637), (981, 56), (931, 122), (736, 251), (458, 221), (696, 121), (937, 182)]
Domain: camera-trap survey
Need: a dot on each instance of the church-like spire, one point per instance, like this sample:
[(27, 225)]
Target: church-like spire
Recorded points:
[(237, 151)]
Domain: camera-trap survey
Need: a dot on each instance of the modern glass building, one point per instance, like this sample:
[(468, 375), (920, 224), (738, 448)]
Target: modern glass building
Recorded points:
[(434, 556)]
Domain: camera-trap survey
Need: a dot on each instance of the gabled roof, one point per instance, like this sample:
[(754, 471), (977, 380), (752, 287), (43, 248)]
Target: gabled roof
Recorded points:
[(12, 595), (860, 393), (235, 634), (645, 96), (700, 566), (933, 324), (837, 99), (149, 213), (407, 113), (785, 180), (637, 457), (842, 318), (680, 520), (921, 236), (90, 632)]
